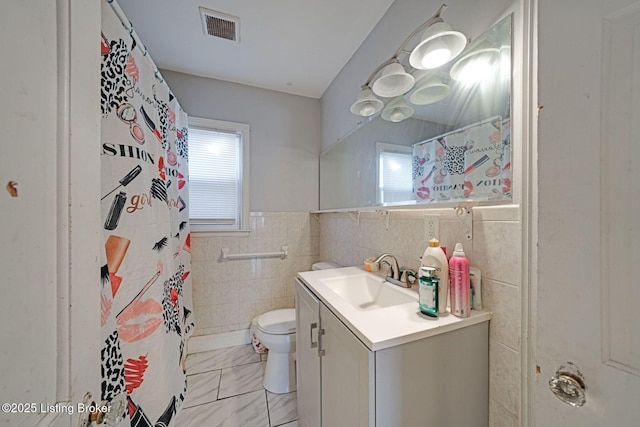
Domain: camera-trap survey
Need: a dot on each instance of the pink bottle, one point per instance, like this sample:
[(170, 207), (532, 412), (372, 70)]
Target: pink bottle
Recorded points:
[(460, 283)]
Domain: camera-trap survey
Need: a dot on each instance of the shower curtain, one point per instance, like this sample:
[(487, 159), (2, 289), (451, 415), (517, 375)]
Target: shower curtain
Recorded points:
[(146, 297)]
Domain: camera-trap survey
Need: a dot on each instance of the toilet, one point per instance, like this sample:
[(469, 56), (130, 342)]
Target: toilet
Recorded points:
[(276, 330)]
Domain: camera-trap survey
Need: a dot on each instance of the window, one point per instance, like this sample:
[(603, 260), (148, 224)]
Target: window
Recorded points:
[(395, 183), (218, 175)]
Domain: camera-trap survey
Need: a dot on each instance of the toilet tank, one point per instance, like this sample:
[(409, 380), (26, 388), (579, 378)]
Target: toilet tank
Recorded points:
[(325, 265)]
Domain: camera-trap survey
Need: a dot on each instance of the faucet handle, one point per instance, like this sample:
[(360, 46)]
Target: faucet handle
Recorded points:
[(411, 276), (389, 269)]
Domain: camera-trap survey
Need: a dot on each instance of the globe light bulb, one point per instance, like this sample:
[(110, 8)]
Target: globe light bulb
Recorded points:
[(396, 115), (367, 109), (436, 57)]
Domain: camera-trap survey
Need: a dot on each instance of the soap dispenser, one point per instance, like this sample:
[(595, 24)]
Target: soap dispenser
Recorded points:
[(435, 257), (428, 292)]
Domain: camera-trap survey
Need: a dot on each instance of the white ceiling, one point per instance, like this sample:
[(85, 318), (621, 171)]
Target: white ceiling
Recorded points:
[(292, 46)]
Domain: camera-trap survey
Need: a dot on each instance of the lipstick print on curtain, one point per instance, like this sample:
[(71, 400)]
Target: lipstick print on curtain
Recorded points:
[(146, 302)]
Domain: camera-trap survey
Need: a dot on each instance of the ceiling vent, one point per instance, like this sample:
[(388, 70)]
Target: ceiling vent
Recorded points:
[(221, 25)]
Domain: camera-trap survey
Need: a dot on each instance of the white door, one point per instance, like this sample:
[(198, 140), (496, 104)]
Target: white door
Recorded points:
[(588, 192), (49, 167)]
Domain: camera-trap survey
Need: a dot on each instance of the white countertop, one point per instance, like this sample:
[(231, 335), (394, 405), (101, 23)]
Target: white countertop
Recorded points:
[(388, 326)]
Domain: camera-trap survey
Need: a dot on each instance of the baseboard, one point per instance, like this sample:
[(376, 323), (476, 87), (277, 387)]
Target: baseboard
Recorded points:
[(215, 341)]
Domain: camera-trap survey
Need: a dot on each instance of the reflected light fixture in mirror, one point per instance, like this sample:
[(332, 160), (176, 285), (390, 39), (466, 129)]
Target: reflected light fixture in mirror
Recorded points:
[(438, 46), (397, 111), (430, 92), (476, 66)]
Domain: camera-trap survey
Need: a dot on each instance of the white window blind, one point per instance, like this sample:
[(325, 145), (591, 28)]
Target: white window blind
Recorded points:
[(215, 177), (395, 181)]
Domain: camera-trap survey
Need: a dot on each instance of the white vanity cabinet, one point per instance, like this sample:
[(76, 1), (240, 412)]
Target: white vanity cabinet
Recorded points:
[(440, 380), (333, 368)]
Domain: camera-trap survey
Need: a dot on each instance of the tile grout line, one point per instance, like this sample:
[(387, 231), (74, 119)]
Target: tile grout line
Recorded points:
[(219, 383), (224, 367), (266, 396)]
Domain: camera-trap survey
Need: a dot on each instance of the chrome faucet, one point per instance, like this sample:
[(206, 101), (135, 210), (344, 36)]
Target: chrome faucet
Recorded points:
[(393, 273)]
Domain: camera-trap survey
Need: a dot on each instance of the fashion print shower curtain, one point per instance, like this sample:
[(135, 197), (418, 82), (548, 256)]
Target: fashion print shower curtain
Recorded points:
[(146, 287)]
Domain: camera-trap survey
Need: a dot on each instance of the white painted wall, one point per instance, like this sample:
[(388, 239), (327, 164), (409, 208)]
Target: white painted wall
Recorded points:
[(285, 137)]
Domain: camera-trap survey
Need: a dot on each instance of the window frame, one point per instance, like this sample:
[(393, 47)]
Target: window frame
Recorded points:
[(244, 131)]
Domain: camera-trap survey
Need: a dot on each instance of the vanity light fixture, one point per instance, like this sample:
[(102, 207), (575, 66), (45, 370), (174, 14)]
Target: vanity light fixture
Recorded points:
[(367, 104), (438, 45), (394, 81), (397, 111)]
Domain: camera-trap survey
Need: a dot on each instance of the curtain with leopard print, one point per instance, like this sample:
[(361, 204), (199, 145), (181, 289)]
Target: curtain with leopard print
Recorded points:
[(145, 279)]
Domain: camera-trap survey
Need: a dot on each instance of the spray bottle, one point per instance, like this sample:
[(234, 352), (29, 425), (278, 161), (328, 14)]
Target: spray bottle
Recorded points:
[(460, 283)]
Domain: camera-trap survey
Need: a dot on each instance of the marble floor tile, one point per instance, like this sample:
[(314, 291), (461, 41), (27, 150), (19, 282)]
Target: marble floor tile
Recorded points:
[(224, 388), (241, 379), (202, 388), (282, 408), (247, 410), (222, 358)]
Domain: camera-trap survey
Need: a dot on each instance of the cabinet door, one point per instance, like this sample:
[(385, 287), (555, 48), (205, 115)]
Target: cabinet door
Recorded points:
[(345, 375), (307, 357)]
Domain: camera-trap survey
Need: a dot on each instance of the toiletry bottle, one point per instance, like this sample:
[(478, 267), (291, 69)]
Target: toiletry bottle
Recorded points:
[(428, 291), (475, 276), (460, 283), (435, 257)]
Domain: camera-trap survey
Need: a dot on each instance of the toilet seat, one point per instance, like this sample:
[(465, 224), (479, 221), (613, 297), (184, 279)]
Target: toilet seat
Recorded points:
[(278, 322)]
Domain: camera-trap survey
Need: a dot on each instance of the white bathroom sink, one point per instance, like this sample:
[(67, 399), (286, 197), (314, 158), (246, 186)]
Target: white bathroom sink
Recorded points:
[(367, 291), (380, 314)]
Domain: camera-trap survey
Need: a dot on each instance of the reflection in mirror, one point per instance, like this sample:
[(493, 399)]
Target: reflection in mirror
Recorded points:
[(394, 173), (451, 117)]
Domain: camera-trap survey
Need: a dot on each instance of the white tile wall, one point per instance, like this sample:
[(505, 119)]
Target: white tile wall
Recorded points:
[(228, 294)]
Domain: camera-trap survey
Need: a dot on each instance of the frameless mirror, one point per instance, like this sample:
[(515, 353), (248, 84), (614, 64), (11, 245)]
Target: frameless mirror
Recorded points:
[(455, 145)]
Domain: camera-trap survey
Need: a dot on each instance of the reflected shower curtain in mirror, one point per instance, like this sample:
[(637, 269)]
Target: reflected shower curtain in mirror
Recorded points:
[(146, 296), (473, 163)]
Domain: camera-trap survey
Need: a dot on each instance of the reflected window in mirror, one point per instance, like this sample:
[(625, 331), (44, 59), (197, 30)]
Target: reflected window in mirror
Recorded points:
[(394, 173)]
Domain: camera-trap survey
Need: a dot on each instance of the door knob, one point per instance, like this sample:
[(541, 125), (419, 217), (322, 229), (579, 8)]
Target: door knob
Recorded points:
[(117, 410), (568, 385), (108, 412)]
